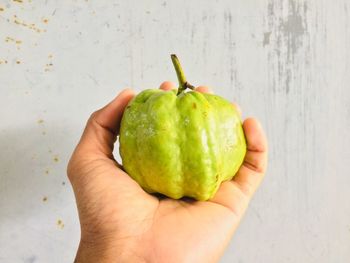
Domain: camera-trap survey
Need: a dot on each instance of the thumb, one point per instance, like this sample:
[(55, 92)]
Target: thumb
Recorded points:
[(99, 135), (102, 127)]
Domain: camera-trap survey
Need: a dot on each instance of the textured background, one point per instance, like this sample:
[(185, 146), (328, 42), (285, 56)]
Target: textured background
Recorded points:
[(285, 62)]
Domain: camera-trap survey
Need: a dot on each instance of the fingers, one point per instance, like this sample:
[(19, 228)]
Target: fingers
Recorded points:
[(236, 194), (167, 85), (203, 89), (255, 136), (103, 126), (254, 166)]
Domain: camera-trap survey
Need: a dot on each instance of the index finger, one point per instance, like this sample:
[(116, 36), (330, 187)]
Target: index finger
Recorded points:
[(167, 85), (203, 89)]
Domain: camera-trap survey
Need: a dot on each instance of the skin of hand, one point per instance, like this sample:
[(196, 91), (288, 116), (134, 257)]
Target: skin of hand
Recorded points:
[(120, 222)]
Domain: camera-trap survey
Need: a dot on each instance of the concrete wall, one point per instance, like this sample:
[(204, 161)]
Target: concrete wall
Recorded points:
[(285, 62)]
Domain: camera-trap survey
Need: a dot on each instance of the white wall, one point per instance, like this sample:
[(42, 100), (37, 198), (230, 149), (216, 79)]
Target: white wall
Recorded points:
[(285, 62)]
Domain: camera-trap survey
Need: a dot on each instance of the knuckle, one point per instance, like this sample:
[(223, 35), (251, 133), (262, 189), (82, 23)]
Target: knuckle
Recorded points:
[(93, 116), (70, 169), (73, 166)]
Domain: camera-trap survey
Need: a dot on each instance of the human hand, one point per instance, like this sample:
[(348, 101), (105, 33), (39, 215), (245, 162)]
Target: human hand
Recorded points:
[(120, 222)]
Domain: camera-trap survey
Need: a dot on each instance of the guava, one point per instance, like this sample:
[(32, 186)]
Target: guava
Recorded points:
[(181, 142)]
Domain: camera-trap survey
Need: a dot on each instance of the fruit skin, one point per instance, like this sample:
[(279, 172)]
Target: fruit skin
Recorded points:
[(181, 145)]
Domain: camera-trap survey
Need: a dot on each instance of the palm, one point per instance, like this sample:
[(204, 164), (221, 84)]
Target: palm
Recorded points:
[(161, 221), (164, 229)]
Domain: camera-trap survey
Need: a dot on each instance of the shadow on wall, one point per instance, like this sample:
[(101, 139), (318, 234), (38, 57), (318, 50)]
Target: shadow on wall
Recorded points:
[(32, 168)]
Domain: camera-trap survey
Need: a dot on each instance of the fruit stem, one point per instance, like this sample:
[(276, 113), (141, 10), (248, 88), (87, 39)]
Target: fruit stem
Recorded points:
[(183, 84)]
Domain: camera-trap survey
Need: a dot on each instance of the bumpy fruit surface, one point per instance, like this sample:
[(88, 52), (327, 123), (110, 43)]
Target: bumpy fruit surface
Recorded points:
[(181, 144)]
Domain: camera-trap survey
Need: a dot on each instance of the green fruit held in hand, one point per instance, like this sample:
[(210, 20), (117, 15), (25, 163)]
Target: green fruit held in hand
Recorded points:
[(181, 143)]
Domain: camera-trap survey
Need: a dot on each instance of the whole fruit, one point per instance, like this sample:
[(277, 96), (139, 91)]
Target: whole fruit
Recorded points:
[(181, 143)]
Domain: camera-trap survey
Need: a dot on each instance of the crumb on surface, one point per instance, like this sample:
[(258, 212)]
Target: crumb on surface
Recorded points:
[(60, 223), (44, 198), (31, 26), (47, 171), (63, 183), (40, 121), (18, 42), (56, 159)]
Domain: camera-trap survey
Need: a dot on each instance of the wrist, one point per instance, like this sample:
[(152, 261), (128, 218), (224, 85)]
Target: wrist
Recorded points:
[(95, 251)]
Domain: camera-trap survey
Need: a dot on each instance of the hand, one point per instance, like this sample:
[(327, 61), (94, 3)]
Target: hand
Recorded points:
[(120, 222)]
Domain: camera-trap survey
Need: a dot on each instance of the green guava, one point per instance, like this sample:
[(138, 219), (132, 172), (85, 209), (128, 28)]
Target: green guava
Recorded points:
[(180, 143)]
